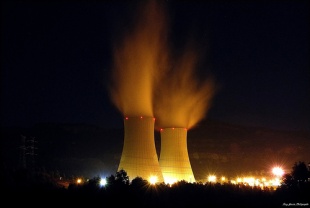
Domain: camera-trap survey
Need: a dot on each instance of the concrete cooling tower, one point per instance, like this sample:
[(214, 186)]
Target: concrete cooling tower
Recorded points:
[(174, 160), (139, 157)]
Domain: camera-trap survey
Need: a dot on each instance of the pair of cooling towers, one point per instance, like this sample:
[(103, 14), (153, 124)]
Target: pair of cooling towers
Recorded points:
[(139, 157)]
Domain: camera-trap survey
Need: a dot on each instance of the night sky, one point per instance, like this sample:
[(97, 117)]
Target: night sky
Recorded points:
[(56, 62), (56, 59)]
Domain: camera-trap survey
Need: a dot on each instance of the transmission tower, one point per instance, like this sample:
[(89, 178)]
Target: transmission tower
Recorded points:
[(31, 153), (22, 152), (28, 149)]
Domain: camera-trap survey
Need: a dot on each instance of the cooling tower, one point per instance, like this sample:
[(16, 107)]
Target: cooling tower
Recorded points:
[(174, 160), (139, 157)]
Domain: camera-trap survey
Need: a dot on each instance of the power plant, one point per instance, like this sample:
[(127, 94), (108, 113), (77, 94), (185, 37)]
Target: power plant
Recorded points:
[(174, 160), (139, 157), (149, 80)]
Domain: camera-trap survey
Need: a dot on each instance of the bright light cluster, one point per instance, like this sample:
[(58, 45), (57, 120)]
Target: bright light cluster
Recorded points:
[(103, 181), (170, 181), (273, 181), (212, 178), (250, 181), (278, 171), (153, 179)]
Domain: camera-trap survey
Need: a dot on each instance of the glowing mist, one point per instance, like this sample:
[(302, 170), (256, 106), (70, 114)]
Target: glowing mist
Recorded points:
[(138, 57), (182, 100)]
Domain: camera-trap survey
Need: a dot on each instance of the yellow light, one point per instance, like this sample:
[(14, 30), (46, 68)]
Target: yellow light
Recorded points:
[(251, 181), (212, 178), (223, 178), (170, 180), (277, 171), (276, 182), (153, 179), (79, 180)]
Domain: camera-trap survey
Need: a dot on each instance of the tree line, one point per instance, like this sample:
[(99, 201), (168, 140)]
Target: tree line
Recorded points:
[(41, 190)]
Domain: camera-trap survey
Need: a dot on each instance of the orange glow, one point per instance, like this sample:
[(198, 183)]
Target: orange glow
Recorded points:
[(153, 180), (212, 178), (147, 81), (182, 100), (138, 56)]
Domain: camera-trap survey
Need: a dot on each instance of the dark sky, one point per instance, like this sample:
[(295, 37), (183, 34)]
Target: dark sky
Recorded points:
[(56, 58)]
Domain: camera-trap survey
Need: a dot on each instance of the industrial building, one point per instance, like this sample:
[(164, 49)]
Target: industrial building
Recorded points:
[(139, 157), (174, 160)]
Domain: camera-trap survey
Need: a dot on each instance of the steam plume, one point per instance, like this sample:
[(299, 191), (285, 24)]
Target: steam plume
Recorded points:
[(181, 99), (138, 57), (141, 81)]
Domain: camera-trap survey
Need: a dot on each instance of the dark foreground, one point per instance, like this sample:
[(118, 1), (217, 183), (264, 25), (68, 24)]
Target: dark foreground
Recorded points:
[(120, 192)]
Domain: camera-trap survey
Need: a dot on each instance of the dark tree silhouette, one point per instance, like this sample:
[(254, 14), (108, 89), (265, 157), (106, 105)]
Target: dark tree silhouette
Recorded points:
[(300, 172), (288, 181), (122, 177), (140, 193), (111, 180), (298, 178), (295, 185), (139, 182), (94, 182)]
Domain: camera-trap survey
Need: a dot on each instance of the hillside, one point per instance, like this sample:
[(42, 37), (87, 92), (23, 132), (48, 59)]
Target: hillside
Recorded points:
[(214, 147)]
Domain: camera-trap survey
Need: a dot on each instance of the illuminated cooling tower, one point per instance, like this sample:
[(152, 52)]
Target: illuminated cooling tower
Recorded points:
[(174, 160), (139, 157)]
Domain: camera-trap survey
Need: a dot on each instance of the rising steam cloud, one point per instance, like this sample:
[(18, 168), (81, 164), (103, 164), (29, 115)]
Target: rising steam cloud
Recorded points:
[(138, 57), (146, 81), (182, 100)]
